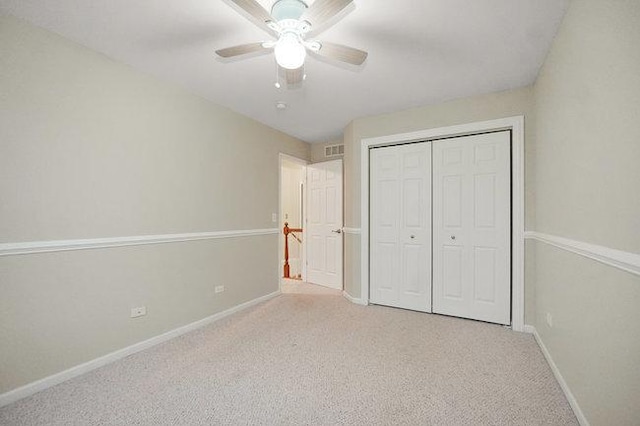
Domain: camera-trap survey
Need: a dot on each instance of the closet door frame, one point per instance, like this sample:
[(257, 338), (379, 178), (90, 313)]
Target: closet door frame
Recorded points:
[(516, 126)]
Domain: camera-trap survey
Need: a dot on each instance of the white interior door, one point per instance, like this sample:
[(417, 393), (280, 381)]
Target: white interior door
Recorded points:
[(472, 227), (400, 226), (324, 224)]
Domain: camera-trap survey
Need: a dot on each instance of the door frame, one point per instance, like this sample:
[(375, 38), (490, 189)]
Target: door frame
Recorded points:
[(303, 258), (516, 125)]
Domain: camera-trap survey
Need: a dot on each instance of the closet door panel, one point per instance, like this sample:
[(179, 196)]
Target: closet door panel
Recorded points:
[(385, 221), (472, 227), (400, 224)]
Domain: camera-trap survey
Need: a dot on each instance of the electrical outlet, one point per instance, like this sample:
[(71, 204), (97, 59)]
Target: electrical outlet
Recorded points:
[(274, 217), (138, 312), (219, 288), (549, 320)]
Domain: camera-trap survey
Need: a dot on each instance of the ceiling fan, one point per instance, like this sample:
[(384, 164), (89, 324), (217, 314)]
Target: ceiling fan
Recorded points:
[(291, 21)]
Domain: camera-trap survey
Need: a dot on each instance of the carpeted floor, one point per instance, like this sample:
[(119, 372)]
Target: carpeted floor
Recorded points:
[(301, 287), (316, 359)]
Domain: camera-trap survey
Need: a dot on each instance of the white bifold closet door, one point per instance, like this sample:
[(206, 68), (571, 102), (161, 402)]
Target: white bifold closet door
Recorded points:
[(400, 226), (472, 227)]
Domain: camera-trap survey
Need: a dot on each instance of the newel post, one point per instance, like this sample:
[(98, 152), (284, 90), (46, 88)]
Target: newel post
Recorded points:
[(286, 250)]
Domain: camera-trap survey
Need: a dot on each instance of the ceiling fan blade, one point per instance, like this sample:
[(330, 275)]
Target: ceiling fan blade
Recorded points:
[(256, 11), (242, 49), (342, 53), (323, 10)]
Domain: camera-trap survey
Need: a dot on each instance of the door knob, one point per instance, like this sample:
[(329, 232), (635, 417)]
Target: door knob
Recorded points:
[(337, 231), (453, 237), (413, 237)]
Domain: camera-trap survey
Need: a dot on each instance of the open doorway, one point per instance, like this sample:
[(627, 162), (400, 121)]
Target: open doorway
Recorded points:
[(292, 261), (310, 242)]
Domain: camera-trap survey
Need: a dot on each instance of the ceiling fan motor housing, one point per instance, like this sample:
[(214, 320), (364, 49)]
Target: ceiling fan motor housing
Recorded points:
[(290, 48), (288, 9)]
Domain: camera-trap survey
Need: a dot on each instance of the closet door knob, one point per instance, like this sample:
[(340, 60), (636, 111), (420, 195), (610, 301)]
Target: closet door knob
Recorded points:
[(453, 237), (413, 237)]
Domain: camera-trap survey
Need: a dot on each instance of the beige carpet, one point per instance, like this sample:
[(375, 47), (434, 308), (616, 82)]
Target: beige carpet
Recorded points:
[(316, 359), (288, 286)]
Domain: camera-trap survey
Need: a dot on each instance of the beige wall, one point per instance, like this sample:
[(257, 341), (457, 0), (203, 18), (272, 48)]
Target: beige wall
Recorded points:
[(479, 108), (587, 102), (90, 148)]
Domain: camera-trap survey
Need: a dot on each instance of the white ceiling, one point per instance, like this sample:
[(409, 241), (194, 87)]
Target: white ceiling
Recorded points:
[(420, 52)]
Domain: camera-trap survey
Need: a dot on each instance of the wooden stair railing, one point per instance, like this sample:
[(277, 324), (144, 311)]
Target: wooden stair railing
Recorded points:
[(288, 231)]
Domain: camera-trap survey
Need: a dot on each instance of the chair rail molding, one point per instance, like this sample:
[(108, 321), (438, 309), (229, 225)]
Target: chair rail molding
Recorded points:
[(31, 247), (624, 260)]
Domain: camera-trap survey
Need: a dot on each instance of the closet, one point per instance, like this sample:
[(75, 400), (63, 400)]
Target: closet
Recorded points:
[(440, 226)]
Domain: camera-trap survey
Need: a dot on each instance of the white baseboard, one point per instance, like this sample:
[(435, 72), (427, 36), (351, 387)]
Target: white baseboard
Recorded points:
[(556, 372), (55, 379), (352, 299)]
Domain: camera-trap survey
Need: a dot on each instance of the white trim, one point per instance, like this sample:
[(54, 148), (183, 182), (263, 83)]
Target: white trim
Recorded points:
[(627, 261), (353, 231), (556, 372), (55, 379), (11, 249), (516, 125), (352, 299)]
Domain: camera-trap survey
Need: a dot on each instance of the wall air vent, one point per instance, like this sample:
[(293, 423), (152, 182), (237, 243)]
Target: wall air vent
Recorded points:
[(333, 150)]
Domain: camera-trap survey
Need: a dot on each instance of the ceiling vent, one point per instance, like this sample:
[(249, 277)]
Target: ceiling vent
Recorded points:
[(333, 150)]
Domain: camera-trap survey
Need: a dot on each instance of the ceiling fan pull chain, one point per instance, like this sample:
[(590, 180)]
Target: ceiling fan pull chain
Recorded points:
[(277, 83)]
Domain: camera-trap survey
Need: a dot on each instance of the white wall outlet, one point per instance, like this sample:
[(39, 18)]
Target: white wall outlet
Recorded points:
[(219, 289), (549, 320), (138, 312), (274, 217)]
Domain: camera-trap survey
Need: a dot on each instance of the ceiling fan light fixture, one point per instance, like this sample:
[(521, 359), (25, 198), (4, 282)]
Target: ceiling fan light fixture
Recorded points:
[(289, 51)]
